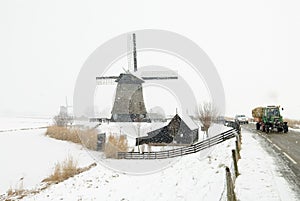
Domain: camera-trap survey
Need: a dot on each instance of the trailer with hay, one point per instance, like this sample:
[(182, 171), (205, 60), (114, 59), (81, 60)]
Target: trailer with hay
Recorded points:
[(268, 119)]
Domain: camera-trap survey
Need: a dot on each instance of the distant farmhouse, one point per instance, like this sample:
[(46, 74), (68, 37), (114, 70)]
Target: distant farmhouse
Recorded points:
[(178, 131)]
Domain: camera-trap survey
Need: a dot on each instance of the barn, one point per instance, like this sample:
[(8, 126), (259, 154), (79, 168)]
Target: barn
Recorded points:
[(180, 130)]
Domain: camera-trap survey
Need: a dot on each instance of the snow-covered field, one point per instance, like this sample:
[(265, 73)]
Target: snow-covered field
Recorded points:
[(191, 177), (11, 123), (28, 154)]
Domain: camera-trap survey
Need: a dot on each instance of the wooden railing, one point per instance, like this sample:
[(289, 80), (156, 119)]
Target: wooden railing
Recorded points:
[(181, 151)]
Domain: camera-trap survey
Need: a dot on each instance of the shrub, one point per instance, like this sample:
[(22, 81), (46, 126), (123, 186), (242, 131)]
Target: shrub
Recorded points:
[(63, 171), (114, 145), (19, 191), (87, 137)]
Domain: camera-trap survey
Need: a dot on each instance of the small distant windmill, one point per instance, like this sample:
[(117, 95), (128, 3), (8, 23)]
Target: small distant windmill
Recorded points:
[(64, 118), (64, 109), (129, 103)]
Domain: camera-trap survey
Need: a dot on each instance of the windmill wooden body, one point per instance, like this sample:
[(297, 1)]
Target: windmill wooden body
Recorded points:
[(129, 103)]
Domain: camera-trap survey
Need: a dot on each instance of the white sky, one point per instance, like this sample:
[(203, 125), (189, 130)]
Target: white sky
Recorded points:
[(254, 45)]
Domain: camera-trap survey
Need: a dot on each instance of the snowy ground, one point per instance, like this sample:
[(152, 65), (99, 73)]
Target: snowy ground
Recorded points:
[(260, 178), (192, 177), (30, 155), (295, 129), (10, 123)]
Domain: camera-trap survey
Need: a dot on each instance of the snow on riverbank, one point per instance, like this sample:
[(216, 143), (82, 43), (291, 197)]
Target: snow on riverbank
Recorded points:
[(192, 177), (30, 155), (10, 123), (260, 178)]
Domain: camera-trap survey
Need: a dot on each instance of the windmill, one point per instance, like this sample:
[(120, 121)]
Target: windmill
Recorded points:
[(64, 117), (129, 103), (64, 110)]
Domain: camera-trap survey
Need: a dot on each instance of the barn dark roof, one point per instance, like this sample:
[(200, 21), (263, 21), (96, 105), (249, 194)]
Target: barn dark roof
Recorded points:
[(177, 130)]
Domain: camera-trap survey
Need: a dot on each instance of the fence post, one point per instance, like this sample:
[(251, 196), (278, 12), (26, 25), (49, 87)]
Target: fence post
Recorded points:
[(238, 127), (236, 171), (230, 186), (237, 149), (240, 137)]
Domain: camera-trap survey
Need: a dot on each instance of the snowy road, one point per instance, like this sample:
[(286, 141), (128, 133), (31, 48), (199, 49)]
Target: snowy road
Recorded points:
[(286, 148)]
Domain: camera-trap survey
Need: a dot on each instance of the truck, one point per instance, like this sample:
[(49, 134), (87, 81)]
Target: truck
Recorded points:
[(242, 119), (268, 119)]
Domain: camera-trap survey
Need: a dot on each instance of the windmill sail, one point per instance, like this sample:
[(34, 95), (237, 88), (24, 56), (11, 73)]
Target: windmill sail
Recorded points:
[(106, 80), (129, 53), (159, 75), (134, 52)]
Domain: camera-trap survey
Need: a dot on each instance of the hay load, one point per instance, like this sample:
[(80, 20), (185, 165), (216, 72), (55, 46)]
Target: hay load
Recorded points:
[(258, 112)]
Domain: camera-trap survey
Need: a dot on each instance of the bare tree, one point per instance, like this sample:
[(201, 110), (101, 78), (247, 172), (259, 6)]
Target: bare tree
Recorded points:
[(63, 118), (207, 113), (60, 121)]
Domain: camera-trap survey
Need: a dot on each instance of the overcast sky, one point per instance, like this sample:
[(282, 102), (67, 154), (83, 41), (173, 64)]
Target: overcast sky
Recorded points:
[(255, 46)]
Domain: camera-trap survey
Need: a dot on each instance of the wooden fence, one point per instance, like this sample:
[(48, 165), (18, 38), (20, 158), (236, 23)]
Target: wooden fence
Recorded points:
[(230, 178), (181, 151)]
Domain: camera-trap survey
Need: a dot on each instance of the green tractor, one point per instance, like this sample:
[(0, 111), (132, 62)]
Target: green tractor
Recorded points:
[(268, 119)]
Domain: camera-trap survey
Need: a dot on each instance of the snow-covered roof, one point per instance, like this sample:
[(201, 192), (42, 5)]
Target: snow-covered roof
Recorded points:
[(189, 121)]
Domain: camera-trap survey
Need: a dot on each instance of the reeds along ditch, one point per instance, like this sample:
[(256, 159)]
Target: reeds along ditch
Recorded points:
[(86, 137), (115, 144)]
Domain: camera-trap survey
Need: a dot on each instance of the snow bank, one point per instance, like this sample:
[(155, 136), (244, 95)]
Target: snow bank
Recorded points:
[(193, 177), (297, 130), (32, 156), (260, 178)]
